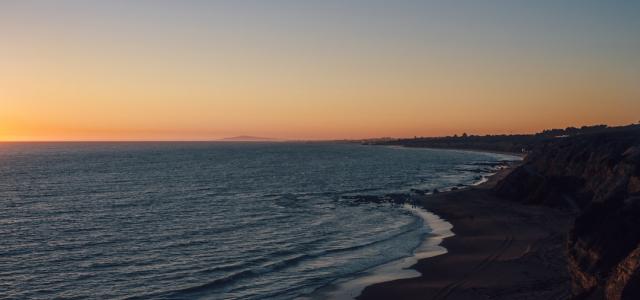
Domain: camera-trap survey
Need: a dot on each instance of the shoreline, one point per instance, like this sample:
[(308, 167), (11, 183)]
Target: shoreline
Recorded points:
[(522, 155), (499, 250), (351, 287), (431, 246)]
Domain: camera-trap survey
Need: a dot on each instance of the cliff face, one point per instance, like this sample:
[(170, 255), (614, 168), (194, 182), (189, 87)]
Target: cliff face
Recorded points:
[(598, 176)]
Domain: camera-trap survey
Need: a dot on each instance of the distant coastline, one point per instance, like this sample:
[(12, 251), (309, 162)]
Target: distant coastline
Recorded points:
[(508, 144)]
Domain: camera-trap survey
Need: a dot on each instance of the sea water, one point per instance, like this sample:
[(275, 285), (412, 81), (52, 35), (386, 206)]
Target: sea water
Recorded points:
[(209, 220)]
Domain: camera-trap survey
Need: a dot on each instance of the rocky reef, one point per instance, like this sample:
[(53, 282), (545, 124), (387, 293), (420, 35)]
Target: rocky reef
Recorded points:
[(598, 176)]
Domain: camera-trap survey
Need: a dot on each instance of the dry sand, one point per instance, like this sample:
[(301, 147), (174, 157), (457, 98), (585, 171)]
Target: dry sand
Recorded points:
[(501, 250)]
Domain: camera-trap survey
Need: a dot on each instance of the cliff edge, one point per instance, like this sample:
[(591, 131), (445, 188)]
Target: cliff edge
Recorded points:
[(598, 176)]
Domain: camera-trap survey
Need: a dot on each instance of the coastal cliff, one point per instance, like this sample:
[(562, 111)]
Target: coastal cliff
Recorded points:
[(597, 176)]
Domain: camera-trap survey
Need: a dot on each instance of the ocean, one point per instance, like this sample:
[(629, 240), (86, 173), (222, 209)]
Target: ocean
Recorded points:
[(209, 220)]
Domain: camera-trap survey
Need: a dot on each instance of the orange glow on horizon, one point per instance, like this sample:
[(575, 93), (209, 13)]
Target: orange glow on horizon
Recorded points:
[(205, 71)]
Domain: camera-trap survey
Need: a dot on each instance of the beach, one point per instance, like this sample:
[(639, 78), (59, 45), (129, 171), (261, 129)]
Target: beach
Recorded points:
[(500, 250)]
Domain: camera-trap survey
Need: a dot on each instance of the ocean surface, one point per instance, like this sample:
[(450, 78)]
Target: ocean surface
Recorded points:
[(208, 220)]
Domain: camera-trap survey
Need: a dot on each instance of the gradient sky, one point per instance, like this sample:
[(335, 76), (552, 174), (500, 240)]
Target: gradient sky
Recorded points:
[(193, 70)]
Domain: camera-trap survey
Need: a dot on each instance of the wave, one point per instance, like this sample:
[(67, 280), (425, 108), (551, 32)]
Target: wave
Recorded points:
[(351, 287), (208, 287)]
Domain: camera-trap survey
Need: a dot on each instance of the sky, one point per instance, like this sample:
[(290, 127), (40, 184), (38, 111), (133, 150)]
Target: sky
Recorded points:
[(203, 70)]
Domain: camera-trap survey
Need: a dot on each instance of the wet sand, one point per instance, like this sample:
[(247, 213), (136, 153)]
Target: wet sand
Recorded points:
[(501, 250)]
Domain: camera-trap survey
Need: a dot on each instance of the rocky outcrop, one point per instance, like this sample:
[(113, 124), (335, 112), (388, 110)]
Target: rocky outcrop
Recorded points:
[(598, 176), (623, 282)]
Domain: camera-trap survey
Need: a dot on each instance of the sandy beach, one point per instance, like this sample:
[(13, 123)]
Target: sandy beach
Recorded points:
[(501, 250)]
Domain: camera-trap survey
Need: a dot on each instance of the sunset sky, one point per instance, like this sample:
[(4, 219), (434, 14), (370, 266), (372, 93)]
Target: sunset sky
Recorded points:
[(200, 70)]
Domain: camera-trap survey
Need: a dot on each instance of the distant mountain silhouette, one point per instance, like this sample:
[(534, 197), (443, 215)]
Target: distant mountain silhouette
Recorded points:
[(246, 138)]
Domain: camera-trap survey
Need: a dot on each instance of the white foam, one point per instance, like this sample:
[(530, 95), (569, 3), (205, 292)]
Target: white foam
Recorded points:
[(350, 288), (482, 180)]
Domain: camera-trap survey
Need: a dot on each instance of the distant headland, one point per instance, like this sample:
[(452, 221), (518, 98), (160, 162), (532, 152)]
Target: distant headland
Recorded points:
[(246, 138)]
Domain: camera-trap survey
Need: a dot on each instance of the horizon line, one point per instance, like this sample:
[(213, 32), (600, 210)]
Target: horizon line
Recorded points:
[(279, 140)]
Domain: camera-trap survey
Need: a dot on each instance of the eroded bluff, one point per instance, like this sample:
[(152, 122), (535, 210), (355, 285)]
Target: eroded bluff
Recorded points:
[(598, 176)]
